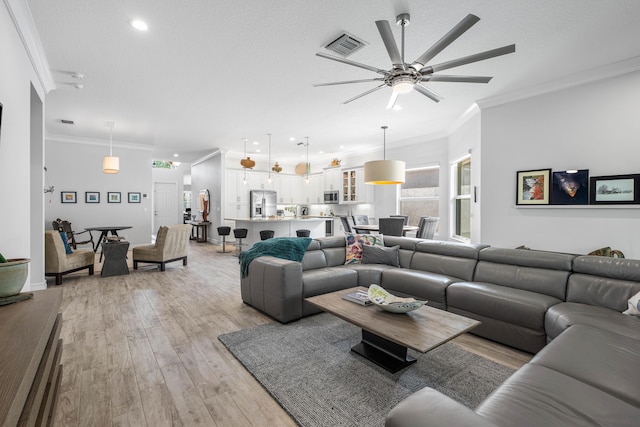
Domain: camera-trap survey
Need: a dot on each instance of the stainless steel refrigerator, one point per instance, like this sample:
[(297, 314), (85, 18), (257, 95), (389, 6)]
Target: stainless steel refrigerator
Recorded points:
[(263, 203)]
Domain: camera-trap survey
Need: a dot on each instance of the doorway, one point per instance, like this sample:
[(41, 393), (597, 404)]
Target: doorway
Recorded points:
[(165, 204)]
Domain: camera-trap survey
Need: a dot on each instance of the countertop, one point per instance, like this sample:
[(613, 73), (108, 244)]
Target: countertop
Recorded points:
[(285, 219)]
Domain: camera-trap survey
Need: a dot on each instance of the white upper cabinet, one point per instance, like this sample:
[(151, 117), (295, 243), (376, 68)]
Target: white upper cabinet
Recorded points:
[(332, 179)]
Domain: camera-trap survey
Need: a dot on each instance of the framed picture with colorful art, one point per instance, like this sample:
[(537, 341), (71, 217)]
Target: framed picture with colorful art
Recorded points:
[(570, 187), (113, 197), (532, 187), (92, 197), (68, 197), (134, 197)]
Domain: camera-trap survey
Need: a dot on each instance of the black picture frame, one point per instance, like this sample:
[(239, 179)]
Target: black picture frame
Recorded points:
[(525, 183), (114, 197), (615, 190), (570, 187), (68, 197), (92, 197), (133, 197)]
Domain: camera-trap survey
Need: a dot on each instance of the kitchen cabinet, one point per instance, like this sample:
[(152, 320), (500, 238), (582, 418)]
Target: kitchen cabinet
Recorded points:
[(332, 179), (353, 189)]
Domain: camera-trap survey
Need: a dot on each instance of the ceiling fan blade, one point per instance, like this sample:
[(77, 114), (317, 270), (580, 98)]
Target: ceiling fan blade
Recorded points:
[(458, 79), (445, 41), (390, 43), (392, 100), (364, 93), (347, 82), (469, 59), (427, 92), (355, 64)]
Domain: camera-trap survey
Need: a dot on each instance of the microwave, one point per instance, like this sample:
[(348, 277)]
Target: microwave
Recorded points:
[(330, 197)]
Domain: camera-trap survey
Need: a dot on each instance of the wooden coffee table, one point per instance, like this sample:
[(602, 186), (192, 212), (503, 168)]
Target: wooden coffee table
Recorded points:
[(386, 336)]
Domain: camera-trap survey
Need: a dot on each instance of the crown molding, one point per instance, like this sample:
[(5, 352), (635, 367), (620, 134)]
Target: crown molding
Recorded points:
[(588, 76), (26, 27), (207, 157), (96, 142)]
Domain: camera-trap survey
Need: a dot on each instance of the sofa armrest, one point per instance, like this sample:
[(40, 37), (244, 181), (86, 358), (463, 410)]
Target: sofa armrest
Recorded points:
[(428, 407), (274, 286)]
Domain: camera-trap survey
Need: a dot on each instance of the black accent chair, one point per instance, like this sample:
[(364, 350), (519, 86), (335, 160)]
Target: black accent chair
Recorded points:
[(239, 234), (63, 225), (303, 233), (406, 220), (391, 226), (266, 234), (427, 228)]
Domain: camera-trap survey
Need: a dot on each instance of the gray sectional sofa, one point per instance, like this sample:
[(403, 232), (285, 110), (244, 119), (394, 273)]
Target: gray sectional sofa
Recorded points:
[(566, 308)]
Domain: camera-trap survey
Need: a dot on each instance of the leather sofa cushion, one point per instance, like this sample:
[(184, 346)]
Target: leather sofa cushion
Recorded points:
[(369, 274), (462, 268), (614, 268), (528, 258), (452, 249), (538, 396), (599, 358), (538, 280), (515, 306), (407, 248), (325, 280), (561, 316), (313, 259), (601, 291), (419, 284)]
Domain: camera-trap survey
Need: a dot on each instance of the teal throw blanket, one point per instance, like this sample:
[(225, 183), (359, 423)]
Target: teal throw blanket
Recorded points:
[(291, 248)]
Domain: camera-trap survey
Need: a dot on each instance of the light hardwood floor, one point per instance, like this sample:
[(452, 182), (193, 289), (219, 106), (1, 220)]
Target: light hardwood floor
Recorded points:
[(142, 349)]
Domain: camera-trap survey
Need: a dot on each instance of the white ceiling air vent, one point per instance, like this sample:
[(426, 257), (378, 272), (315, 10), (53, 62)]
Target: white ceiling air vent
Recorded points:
[(345, 45)]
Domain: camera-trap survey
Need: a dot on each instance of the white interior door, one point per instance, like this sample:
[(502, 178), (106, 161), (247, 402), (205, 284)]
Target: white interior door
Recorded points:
[(165, 204)]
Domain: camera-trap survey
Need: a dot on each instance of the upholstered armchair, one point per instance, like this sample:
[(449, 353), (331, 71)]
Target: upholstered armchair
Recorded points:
[(171, 245), (58, 263)]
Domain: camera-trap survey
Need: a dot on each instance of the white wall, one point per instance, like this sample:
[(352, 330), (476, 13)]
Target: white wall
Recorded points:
[(77, 166), (593, 126), (17, 77), (207, 174)]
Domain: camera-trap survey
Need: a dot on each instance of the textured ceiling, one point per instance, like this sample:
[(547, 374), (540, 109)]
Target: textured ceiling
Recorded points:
[(209, 73)]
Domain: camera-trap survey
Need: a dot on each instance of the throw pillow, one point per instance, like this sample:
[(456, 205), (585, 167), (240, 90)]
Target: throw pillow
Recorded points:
[(634, 305), (381, 255), (355, 243), (67, 248)]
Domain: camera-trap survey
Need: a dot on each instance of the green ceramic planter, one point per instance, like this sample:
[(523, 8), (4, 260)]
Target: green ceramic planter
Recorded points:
[(13, 275)]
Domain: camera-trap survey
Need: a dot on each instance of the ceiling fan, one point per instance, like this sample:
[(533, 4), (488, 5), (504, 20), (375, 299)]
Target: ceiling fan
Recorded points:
[(404, 77)]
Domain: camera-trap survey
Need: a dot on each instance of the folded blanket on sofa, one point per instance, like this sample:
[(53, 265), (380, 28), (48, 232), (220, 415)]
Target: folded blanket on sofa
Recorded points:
[(291, 248)]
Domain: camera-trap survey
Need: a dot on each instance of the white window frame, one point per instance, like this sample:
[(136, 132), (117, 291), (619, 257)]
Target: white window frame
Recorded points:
[(455, 197)]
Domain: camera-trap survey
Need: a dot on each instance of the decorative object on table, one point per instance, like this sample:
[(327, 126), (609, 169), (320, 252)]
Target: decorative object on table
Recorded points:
[(134, 197), (203, 203), (13, 275), (112, 239), (607, 251), (113, 197), (92, 197), (383, 172), (354, 244), (570, 187), (291, 248), (392, 303), (615, 190), (335, 162), (532, 187), (110, 163), (404, 77), (359, 297), (276, 168), (68, 197)]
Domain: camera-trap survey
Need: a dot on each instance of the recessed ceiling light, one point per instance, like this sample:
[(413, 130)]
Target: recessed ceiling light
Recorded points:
[(176, 155), (342, 146), (139, 25), (320, 152), (256, 143), (258, 150), (293, 138)]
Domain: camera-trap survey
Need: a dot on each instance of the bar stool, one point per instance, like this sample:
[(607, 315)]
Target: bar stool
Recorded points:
[(303, 233), (224, 232), (239, 234), (266, 234)]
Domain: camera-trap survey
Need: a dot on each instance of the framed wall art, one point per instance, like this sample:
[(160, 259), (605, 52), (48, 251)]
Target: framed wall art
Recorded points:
[(68, 197), (92, 197), (532, 187), (615, 190), (570, 187), (134, 197), (113, 197)]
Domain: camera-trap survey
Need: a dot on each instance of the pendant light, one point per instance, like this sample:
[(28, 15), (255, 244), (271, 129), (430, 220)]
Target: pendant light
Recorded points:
[(111, 164), (269, 178), (307, 180), (380, 172)]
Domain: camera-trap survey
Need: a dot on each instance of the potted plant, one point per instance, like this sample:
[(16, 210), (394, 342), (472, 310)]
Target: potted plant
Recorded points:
[(13, 275)]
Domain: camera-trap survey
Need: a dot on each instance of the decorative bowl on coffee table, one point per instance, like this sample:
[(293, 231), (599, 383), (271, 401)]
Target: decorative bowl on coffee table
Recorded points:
[(391, 303)]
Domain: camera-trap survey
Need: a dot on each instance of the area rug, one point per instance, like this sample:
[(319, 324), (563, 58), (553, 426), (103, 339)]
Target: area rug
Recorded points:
[(307, 366)]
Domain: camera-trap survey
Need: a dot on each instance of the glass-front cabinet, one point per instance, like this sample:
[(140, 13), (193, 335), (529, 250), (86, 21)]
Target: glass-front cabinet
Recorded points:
[(349, 186)]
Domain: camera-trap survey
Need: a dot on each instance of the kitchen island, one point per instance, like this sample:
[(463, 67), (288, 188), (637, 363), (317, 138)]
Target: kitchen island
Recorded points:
[(282, 227)]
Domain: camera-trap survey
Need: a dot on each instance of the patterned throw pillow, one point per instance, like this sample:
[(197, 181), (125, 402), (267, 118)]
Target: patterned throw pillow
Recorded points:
[(354, 245), (67, 248)]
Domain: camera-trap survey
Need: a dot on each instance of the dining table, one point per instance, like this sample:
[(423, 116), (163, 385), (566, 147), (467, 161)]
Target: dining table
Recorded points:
[(104, 231), (376, 227)]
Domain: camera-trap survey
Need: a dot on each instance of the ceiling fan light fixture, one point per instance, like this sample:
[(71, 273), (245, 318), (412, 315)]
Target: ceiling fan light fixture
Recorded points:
[(403, 86)]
